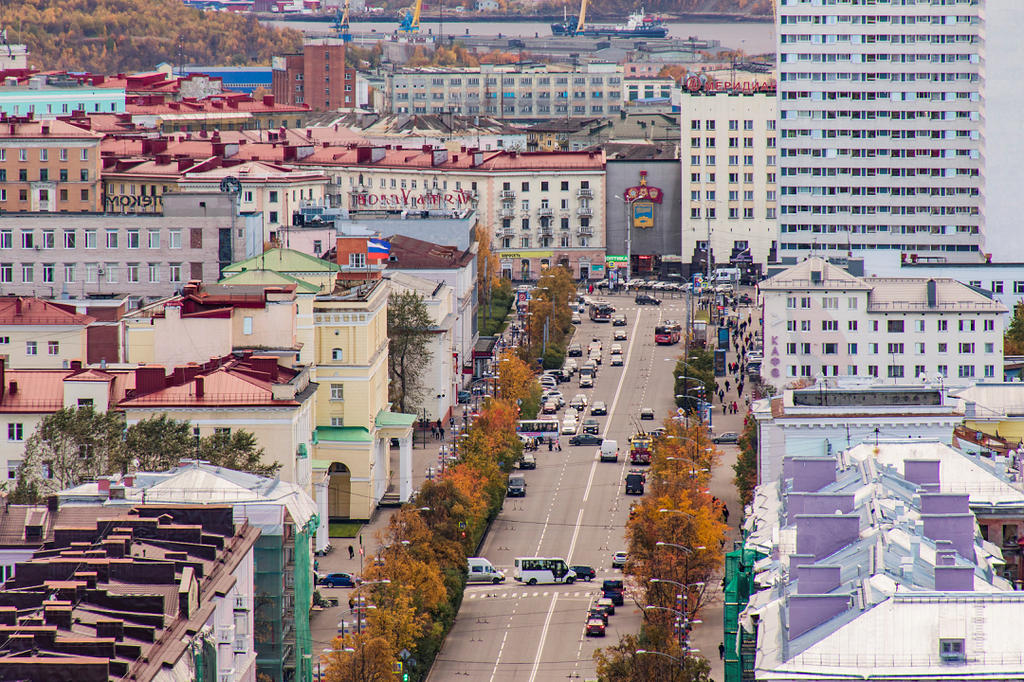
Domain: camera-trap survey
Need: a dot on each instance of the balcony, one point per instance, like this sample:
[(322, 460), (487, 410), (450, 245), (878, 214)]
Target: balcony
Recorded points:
[(547, 231), (585, 192), (359, 189), (543, 212), (507, 213), (226, 634), (506, 232), (241, 602), (586, 230), (585, 210), (508, 194)]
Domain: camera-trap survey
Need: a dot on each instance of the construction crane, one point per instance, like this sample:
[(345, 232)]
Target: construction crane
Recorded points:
[(576, 25), (341, 24), (409, 20)]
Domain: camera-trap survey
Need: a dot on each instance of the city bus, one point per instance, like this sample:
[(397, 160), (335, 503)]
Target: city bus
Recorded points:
[(666, 335), (538, 570), (538, 428), (601, 311)]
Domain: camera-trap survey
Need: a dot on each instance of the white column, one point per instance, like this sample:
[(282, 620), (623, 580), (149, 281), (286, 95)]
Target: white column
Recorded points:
[(380, 477), (405, 468), (322, 493)]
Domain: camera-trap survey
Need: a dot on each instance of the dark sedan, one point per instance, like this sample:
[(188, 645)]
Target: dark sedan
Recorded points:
[(339, 580), (586, 439), (584, 572), (646, 299), (727, 437)]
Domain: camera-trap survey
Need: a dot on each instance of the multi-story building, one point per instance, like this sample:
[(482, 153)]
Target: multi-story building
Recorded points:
[(575, 134), (305, 78), (547, 209), (151, 255), (730, 162), (48, 166), (229, 111), (49, 96), (41, 334), (821, 320), (286, 517), (512, 92), (881, 138)]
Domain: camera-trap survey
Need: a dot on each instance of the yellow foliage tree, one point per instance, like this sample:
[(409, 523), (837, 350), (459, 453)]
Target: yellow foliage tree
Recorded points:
[(515, 378), (396, 619), (369, 661)]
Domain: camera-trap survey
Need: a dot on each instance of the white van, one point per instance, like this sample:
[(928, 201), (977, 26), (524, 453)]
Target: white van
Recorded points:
[(609, 451), (569, 427), (483, 571)]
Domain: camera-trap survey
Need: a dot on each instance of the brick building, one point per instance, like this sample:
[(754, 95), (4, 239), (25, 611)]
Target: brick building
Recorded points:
[(305, 78)]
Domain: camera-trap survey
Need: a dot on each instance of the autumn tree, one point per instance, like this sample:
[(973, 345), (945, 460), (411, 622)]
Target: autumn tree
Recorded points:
[(409, 353), (746, 467), (362, 657), (518, 384), (622, 663), (1013, 339)]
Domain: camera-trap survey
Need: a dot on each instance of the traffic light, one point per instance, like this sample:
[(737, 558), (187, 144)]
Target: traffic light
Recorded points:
[(405, 677)]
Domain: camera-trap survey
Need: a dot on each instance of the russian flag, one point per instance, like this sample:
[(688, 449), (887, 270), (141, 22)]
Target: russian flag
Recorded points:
[(378, 249)]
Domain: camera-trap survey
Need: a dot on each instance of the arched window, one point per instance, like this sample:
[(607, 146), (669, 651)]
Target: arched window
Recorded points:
[(336, 354)]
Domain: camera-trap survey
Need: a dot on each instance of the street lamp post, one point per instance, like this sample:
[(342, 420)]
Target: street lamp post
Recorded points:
[(629, 238), (686, 549)]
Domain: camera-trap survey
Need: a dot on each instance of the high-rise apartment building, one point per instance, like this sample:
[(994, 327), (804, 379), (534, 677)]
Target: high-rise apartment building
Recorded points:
[(881, 137)]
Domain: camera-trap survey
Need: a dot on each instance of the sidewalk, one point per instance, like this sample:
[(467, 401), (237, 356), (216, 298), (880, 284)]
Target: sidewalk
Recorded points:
[(707, 636)]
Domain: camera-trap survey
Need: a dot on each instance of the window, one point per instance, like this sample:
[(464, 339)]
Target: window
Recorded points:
[(966, 348), (790, 370), (851, 325), (69, 273), (790, 325), (6, 239), (943, 370), (111, 239), (943, 325), (966, 371), (174, 272), (997, 287), (28, 239), (69, 239), (112, 272), (791, 302), (805, 302), (174, 238), (48, 273), (951, 649), (894, 326), (247, 326), (895, 371), (830, 325), (942, 347), (989, 325), (6, 273), (990, 371), (805, 370), (895, 349), (337, 421), (132, 270), (31, 348), (132, 241), (873, 348), (154, 273), (805, 325), (805, 349), (90, 239), (53, 347), (873, 370), (16, 432), (990, 348), (28, 273), (830, 348), (851, 349), (830, 303), (851, 370), (357, 260), (337, 391), (336, 354), (919, 348), (1018, 287), (790, 349), (967, 325)]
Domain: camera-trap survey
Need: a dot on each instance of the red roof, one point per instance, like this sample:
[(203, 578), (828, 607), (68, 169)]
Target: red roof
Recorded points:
[(417, 157), (35, 311)]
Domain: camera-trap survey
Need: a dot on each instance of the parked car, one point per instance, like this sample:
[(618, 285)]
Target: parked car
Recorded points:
[(465, 396), (550, 407), (619, 559), (598, 408), (584, 572), (619, 335), (727, 437), (339, 580), (646, 299), (746, 300), (555, 396), (579, 401), (586, 439), (528, 461), (647, 413)]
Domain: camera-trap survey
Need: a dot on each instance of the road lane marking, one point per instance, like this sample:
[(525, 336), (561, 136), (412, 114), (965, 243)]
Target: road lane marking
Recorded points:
[(579, 519), (543, 636)]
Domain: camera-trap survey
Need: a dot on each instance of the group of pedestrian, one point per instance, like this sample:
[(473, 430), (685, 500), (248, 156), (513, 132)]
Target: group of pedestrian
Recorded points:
[(437, 430)]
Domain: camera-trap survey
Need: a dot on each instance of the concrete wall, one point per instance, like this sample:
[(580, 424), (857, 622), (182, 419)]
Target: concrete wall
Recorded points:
[(664, 239)]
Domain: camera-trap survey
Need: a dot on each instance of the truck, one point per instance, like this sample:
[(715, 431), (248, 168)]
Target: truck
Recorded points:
[(635, 480)]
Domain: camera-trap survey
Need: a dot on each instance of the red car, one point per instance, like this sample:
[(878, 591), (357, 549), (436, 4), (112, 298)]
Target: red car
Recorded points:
[(595, 627)]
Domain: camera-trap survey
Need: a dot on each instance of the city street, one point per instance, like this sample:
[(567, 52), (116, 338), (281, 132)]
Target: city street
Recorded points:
[(575, 508)]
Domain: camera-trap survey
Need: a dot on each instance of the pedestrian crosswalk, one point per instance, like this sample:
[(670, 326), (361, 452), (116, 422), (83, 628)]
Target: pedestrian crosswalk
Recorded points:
[(525, 594)]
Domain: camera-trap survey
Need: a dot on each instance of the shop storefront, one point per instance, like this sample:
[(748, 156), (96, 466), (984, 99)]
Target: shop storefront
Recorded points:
[(528, 266)]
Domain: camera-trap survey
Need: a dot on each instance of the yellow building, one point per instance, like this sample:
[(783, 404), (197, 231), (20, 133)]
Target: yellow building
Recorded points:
[(352, 471), (40, 334)]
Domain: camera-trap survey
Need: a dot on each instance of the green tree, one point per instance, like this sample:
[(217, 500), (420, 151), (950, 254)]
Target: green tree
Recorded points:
[(409, 353), (621, 662), (745, 467), (68, 446), (696, 370), (156, 444), (1013, 340), (238, 450)]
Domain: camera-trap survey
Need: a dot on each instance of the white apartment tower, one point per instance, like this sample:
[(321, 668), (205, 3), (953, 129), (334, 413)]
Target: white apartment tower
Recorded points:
[(881, 135)]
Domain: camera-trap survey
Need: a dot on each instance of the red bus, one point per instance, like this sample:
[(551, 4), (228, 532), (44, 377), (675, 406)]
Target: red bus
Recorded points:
[(601, 312), (666, 336)]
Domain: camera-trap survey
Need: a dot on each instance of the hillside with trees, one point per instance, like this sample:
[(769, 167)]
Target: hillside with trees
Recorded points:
[(120, 36)]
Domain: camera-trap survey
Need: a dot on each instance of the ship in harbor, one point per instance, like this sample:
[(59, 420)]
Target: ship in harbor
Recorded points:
[(639, 25)]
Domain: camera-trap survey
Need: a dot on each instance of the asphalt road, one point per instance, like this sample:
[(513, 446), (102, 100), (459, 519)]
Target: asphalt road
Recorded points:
[(575, 508)]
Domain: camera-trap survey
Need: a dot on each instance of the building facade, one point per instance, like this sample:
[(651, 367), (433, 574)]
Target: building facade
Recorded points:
[(48, 166), (882, 138), (820, 320), (305, 78), (729, 154), (150, 255), (47, 97), (40, 334)]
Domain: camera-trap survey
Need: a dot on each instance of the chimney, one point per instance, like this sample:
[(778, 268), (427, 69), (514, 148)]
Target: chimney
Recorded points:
[(129, 481), (933, 293), (103, 484), (268, 100), (13, 388), (923, 472), (808, 611), (76, 364), (818, 578), (956, 528), (954, 578), (17, 306), (817, 503), (200, 388), (811, 474), (150, 379), (824, 534)]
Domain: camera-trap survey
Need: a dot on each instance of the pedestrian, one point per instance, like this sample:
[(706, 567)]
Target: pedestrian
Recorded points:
[(351, 552), (721, 396), (721, 651), (725, 512), (433, 432), (558, 444), (316, 565), (725, 409), (442, 433), (727, 385), (739, 389), (735, 409)]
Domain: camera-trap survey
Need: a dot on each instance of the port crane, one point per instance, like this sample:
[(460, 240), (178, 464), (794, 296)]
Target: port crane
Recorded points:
[(341, 24), (409, 19), (575, 26)]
